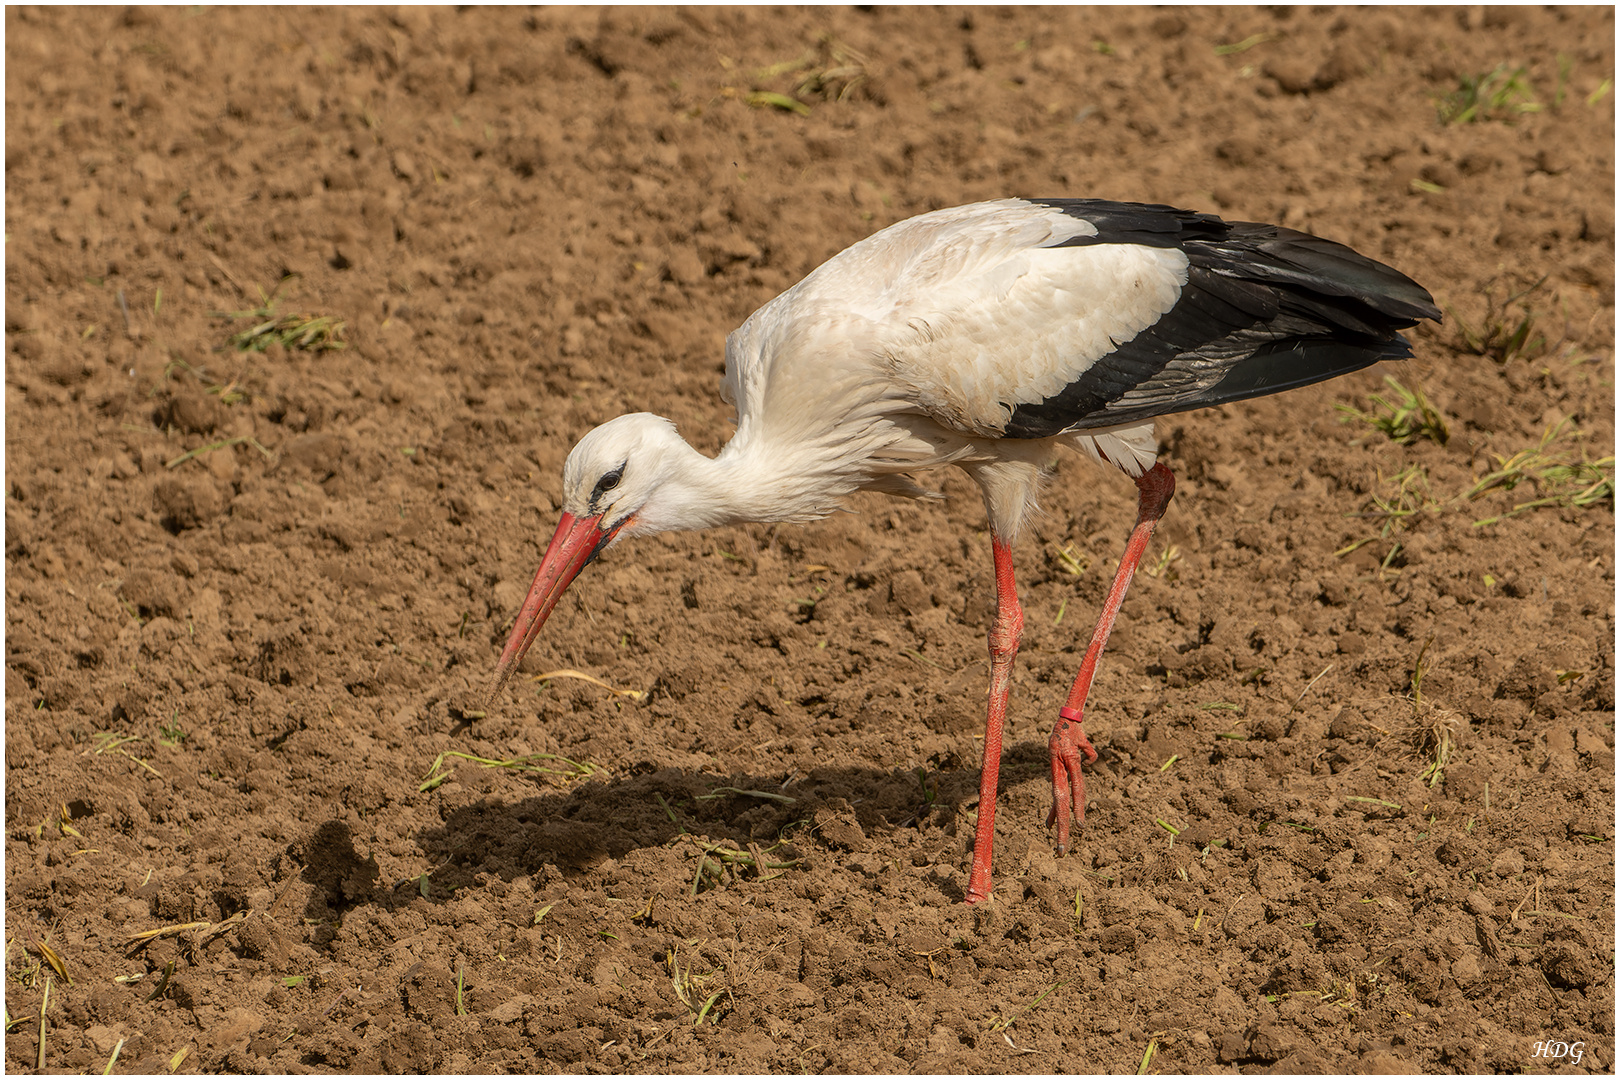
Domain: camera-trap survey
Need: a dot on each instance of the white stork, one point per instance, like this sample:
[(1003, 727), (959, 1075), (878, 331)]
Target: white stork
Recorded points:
[(985, 336)]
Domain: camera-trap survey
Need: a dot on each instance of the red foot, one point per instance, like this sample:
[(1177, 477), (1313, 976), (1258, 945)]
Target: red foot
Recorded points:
[(1067, 743)]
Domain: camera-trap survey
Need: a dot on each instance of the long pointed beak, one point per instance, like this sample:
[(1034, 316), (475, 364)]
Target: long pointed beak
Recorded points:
[(575, 543)]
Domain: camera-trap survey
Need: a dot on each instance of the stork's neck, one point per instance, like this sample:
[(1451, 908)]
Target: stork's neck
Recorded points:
[(748, 481)]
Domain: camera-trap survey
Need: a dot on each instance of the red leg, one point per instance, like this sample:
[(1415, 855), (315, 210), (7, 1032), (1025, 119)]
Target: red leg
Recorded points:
[(1004, 638), (1069, 741)]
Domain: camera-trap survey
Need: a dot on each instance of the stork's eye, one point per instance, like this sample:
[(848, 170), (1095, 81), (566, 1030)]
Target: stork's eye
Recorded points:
[(608, 482)]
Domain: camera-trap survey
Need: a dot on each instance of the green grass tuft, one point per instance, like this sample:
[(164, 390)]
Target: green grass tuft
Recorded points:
[(1560, 475), (1434, 729), (1503, 94), (1002, 1023), (690, 986), (529, 763), (312, 333), (1407, 497), (831, 71), (715, 859), (1405, 419), (1503, 334)]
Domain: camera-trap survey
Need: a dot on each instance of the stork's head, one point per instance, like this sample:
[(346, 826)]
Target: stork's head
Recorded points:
[(616, 469), (610, 478)]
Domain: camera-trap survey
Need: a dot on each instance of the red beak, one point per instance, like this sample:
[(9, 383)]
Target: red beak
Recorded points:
[(575, 543)]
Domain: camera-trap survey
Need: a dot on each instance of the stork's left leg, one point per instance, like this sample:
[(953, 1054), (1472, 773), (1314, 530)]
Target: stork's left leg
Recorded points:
[(1069, 741), (1004, 638)]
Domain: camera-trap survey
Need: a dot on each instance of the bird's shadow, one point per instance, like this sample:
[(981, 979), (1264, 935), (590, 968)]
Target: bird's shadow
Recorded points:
[(579, 828), (539, 830)]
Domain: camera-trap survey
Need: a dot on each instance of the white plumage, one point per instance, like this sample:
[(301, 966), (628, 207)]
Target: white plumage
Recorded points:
[(984, 336)]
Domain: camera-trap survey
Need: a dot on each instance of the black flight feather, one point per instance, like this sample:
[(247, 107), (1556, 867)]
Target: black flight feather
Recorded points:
[(1265, 309)]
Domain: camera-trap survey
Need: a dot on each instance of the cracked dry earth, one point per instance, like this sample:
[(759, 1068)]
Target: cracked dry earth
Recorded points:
[(252, 596)]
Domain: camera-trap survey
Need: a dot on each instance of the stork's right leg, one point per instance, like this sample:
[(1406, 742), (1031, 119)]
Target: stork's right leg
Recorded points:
[(1069, 741), (1004, 638)]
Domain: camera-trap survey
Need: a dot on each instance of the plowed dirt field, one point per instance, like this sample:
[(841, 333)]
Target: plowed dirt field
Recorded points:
[(253, 823)]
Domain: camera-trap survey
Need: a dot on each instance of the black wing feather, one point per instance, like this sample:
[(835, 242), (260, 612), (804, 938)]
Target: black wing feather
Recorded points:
[(1265, 309)]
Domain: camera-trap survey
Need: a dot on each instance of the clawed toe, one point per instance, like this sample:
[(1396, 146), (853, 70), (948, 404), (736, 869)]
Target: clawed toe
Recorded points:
[(1067, 745)]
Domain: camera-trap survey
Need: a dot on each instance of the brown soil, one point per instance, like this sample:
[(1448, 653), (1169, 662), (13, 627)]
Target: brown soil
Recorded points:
[(530, 222)]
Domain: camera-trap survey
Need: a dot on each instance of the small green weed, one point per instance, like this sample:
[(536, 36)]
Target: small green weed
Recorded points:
[(529, 763), (1147, 1057), (1561, 475), (1405, 419), (1504, 94), (930, 791), (1163, 568), (313, 333), (1002, 1023), (114, 741), (172, 733), (1558, 468), (229, 393), (835, 72), (690, 987), (1434, 730), (714, 860), (1503, 334), (1407, 495), (1073, 563), (829, 71)]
